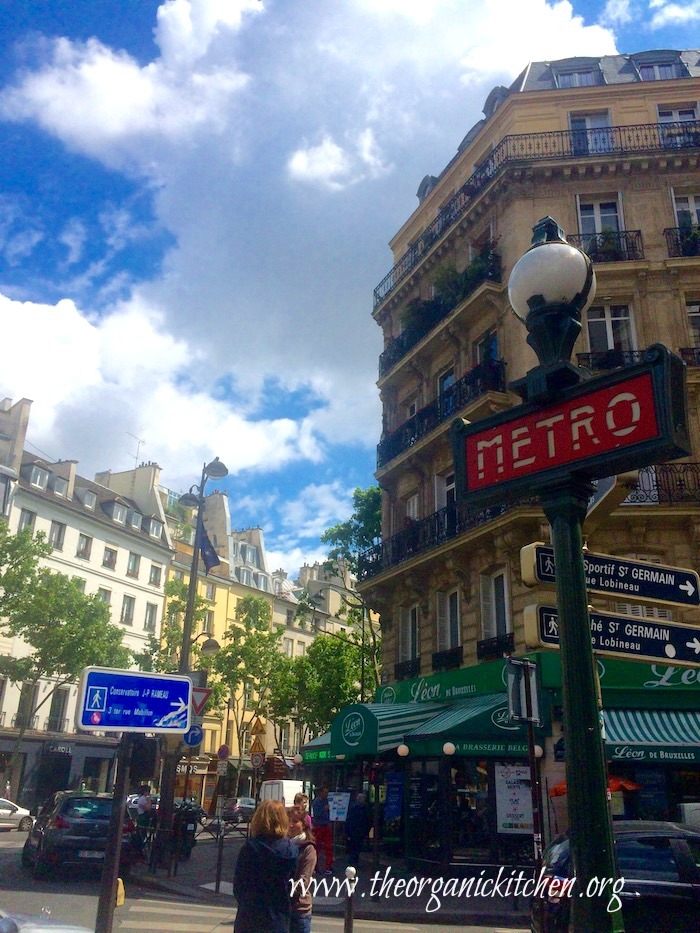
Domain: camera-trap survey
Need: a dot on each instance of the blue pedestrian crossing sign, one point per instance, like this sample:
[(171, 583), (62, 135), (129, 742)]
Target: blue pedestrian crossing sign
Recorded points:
[(133, 701)]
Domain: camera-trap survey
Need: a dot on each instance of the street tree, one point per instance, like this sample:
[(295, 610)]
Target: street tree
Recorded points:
[(331, 675), (245, 666), (19, 565), (361, 531), (63, 631)]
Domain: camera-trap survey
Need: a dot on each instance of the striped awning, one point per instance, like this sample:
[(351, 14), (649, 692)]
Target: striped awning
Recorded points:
[(652, 735), (397, 720), (371, 728), (459, 714)]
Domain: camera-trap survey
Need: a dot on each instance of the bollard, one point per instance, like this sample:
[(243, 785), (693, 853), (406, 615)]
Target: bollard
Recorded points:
[(120, 893), (351, 878)]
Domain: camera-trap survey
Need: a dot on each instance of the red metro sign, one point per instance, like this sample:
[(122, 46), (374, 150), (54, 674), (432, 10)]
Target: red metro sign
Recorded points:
[(616, 422)]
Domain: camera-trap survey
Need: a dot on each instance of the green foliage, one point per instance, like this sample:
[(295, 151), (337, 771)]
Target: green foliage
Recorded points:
[(360, 531), (19, 565), (329, 677), (164, 655)]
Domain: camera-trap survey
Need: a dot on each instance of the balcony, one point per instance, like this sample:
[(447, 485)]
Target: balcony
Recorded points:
[(428, 313), (609, 359), (405, 670), (491, 649), (25, 722), (683, 241), (56, 724), (448, 660), (666, 484), (489, 376), (610, 246), (539, 147), (690, 355)]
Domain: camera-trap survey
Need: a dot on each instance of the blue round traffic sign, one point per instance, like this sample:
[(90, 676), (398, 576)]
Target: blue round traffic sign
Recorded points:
[(194, 736)]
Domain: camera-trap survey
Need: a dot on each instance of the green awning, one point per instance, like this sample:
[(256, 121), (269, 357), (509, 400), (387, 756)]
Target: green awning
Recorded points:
[(652, 735), (318, 749), (461, 718), (371, 728)]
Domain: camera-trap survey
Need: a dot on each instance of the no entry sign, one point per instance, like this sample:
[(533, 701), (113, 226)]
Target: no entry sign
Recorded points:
[(601, 426)]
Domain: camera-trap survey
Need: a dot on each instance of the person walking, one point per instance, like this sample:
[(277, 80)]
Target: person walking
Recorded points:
[(321, 819), (263, 873), (303, 838), (357, 827)]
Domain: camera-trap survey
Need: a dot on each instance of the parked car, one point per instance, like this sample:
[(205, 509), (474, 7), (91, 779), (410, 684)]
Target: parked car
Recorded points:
[(238, 809), (660, 863), (71, 829), (24, 923), (14, 817)]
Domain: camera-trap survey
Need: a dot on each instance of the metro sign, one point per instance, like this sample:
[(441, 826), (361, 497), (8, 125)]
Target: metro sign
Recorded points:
[(601, 426)]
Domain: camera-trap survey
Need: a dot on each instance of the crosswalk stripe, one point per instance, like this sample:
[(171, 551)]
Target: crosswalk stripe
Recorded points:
[(181, 910), (166, 926)]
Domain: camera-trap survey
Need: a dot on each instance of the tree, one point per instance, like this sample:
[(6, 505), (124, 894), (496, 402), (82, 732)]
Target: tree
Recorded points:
[(331, 677), (361, 531), (246, 664), (65, 631), (19, 565)]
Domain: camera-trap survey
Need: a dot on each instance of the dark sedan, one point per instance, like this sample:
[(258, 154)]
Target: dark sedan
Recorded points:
[(660, 864)]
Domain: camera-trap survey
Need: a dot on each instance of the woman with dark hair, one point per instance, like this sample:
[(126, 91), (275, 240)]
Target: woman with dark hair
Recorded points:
[(302, 836), (264, 869)]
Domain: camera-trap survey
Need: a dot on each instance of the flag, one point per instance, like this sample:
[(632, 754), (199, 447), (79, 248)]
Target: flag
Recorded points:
[(209, 556)]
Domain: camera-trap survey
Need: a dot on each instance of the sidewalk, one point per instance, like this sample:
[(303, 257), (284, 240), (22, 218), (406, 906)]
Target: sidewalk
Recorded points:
[(396, 898)]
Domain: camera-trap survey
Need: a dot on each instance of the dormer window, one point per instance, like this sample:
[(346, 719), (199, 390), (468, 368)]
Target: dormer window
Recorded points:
[(661, 71), (39, 477), (135, 520), (60, 486), (89, 499), (156, 528), (577, 79), (119, 513)]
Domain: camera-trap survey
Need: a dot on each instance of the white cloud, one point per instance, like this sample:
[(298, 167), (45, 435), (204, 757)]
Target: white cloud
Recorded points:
[(316, 508), (616, 13), (325, 163), (674, 13), (73, 237)]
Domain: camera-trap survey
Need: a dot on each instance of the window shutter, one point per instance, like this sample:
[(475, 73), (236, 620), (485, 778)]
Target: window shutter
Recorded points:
[(404, 634), (488, 620), (442, 622)]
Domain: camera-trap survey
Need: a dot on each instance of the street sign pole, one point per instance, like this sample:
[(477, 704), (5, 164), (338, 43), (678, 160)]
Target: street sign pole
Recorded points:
[(108, 883)]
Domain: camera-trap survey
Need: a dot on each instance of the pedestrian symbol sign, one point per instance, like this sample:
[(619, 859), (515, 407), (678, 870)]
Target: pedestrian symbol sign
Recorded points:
[(96, 699)]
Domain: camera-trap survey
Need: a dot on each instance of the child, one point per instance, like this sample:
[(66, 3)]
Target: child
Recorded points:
[(302, 801), (302, 836)]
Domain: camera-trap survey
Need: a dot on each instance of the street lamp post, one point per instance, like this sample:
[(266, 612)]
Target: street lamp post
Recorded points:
[(549, 288), (214, 470)]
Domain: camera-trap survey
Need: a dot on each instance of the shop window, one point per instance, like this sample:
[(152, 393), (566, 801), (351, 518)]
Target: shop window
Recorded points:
[(408, 633), (495, 609), (448, 622)]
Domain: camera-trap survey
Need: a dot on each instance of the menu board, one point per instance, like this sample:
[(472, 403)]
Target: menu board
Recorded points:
[(513, 799), (338, 804)]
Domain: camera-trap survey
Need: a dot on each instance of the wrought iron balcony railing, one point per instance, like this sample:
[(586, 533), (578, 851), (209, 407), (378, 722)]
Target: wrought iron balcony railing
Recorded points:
[(433, 311), (666, 484), (25, 722), (690, 355), (609, 359), (490, 649), (449, 659), (610, 246), (56, 724), (534, 147), (489, 376), (405, 670), (683, 241)]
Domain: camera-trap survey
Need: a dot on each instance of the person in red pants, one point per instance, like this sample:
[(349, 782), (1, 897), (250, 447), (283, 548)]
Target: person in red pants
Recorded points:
[(321, 817)]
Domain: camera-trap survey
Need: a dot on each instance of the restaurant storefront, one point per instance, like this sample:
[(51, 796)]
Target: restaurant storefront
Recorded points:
[(450, 771)]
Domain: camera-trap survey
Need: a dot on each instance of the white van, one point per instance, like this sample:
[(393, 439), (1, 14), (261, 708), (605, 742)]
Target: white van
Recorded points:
[(284, 791)]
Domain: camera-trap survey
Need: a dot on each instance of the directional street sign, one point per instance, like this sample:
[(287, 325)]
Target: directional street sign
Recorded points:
[(194, 737), (131, 701), (635, 579), (625, 636)]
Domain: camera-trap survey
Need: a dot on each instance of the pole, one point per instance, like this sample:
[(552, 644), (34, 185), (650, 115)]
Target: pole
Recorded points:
[(188, 621), (350, 881), (108, 884), (590, 829)]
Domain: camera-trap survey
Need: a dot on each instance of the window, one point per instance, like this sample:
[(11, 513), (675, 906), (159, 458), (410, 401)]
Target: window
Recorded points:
[(179, 575), (590, 133), (610, 328), (674, 135), (89, 499), (79, 583), (155, 575), (39, 477), (663, 71), (109, 559), (288, 647), (687, 209), (694, 322), (408, 633), (413, 507), (444, 491), (650, 859), (290, 616), (448, 627), (208, 622), (60, 486), (119, 513), (210, 592), (244, 576), (149, 623), (246, 742), (156, 528), (57, 721), (26, 520), (57, 534), (410, 408), (495, 611), (104, 595), (446, 394), (84, 547), (597, 216), (577, 79), (133, 564), (486, 347), (301, 649), (135, 520), (128, 607)]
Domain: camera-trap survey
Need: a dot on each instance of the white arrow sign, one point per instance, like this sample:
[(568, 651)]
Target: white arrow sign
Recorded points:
[(694, 644)]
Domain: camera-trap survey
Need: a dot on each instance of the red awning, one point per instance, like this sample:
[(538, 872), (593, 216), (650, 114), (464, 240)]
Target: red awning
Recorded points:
[(614, 784)]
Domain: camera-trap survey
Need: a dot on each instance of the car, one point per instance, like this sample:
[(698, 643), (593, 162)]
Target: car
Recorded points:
[(660, 864), (238, 809), (71, 829), (14, 817), (24, 923)]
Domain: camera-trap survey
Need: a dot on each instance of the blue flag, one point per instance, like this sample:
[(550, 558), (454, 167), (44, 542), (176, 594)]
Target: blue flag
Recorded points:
[(209, 556)]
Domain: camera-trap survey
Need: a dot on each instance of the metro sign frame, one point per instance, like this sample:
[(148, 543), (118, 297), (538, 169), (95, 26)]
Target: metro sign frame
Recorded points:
[(604, 425)]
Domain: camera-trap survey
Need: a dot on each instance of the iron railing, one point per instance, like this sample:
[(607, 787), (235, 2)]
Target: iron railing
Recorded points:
[(610, 246), (489, 376), (532, 147), (683, 241), (666, 484), (56, 724), (20, 721), (405, 670), (449, 659), (490, 649), (609, 359), (690, 355), (436, 310)]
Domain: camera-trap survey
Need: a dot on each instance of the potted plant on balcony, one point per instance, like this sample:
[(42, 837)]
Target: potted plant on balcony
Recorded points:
[(606, 246), (689, 236)]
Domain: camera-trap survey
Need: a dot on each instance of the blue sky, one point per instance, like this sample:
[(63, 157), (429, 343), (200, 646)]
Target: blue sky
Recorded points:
[(196, 197)]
